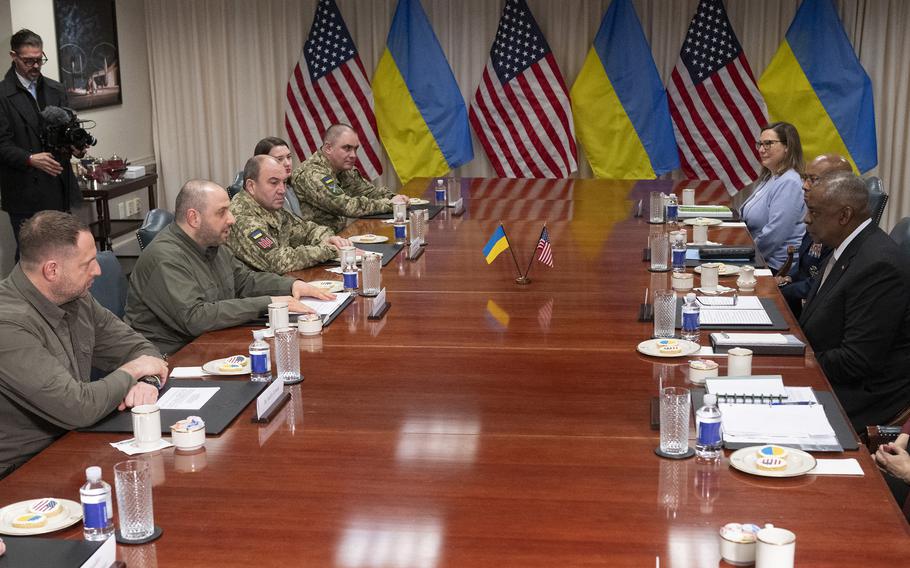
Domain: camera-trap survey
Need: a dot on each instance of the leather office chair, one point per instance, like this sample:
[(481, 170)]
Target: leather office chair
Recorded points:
[(901, 234), (236, 186), (155, 220), (110, 288), (878, 199)]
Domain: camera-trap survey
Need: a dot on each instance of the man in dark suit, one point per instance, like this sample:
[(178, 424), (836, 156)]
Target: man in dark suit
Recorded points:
[(856, 315), (812, 255), (31, 178)]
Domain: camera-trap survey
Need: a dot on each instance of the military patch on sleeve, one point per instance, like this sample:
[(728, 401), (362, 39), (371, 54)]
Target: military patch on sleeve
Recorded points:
[(262, 240), (332, 185)]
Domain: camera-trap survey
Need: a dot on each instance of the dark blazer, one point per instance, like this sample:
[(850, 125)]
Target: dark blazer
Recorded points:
[(803, 274), (23, 189), (858, 324)]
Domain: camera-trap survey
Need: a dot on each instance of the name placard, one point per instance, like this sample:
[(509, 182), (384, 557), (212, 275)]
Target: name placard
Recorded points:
[(267, 399), (377, 303)]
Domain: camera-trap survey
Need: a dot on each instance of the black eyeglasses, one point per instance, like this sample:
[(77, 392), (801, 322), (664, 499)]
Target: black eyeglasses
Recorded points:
[(766, 143), (32, 61)]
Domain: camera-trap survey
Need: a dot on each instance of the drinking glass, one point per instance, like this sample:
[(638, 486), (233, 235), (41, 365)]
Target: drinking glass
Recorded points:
[(664, 313), (660, 252), (656, 205), (674, 420), (133, 484), (372, 274), (287, 355), (399, 212)]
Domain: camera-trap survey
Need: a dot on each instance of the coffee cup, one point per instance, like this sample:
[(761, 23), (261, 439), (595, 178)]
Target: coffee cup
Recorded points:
[(146, 425)]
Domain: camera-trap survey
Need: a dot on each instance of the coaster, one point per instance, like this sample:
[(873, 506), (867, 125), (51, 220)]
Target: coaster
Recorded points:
[(154, 536), (689, 453), (294, 381), (659, 270)]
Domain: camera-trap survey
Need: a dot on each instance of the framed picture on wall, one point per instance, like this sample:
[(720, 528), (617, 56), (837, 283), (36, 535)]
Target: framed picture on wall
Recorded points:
[(88, 53)]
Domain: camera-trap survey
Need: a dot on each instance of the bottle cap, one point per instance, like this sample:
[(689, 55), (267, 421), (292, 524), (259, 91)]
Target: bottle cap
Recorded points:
[(258, 333), (93, 473), (690, 297), (710, 399), (439, 182)]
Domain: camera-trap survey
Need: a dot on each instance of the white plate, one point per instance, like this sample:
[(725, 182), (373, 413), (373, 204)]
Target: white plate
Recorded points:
[(723, 269), (331, 286), (649, 347), (214, 367), (417, 201), (368, 239), (703, 221), (71, 514), (798, 462)]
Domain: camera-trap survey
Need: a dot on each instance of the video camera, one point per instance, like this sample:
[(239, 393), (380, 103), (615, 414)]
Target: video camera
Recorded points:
[(63, 131)]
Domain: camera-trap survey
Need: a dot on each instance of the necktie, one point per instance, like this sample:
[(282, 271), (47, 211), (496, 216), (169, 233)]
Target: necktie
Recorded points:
[(33, 89)]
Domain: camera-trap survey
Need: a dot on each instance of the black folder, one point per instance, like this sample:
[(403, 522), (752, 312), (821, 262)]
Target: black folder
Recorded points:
[(46, 552), (230, 400)]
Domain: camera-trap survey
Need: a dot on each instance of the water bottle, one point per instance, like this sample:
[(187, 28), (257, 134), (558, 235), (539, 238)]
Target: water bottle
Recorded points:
[(97, 510), (678, 249), (690, 311), (440, 190), (709, 442), (672, 209), (260, 360)]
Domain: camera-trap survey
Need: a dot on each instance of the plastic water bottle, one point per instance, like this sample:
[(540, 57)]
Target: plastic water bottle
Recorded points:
[(690, 313), (440, 190), (672, 209), (260, 360), (678, 248), (97, 510), (709, 442)]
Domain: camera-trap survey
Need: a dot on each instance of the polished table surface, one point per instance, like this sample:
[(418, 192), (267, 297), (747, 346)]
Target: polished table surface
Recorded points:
[(483, 423)]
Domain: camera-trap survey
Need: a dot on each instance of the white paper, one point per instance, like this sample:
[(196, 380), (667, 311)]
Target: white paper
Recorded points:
[(847, 466), (726, 303), (759, 385), (720, 290), (763, 272), (734, 317), (186, 398), (104, 557), (187, 373), (265, 400), (325, 307), (130, 449), (788, 424), (732, 224), (336, 270), (750, 338)]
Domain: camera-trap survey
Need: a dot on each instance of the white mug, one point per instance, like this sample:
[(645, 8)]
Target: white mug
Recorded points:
[(775, 548), (709, 272), (688, 197), (739, 362), (699, 234), (146, 425)]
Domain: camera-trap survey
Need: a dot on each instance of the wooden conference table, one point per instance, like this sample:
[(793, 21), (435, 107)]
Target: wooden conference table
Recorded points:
[(482, 423)]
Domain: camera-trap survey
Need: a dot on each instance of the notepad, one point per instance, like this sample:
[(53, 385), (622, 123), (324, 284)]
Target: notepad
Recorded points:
[(720, 310), (803, 426), (747, 390)]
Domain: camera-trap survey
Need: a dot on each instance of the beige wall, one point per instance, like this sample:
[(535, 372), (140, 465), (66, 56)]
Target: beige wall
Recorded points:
[(124, 129)]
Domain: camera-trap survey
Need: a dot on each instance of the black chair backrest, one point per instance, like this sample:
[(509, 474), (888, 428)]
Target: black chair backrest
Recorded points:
[(237, 185), (110, 288), (155, 220), (901, 234), (878, 199)]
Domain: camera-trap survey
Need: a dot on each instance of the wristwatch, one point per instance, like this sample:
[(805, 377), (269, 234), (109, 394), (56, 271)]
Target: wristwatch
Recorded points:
[(153, 380)]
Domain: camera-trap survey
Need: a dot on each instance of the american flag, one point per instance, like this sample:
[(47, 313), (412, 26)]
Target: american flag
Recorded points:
[(520, 111), (716, 106), (544, 251), (328, 86)]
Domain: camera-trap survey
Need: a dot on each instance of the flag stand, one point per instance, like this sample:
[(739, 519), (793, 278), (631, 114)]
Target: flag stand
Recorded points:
[(522, 279)]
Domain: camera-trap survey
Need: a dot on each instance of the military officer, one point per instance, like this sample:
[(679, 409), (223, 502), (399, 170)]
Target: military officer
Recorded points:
[(330, 188), (269, 238)]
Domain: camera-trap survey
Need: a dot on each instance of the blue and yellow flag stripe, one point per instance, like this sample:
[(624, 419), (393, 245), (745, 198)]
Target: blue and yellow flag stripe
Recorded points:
[(816, 82), (497, 243), (622, 117), (420, 113)]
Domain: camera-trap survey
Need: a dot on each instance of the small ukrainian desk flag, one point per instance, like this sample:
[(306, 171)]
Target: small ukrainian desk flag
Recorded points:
[(496, 245)]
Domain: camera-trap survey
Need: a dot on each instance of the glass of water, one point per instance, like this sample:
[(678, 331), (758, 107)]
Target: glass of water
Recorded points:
[(664, 313), (656, 205), (287, 355), (372, 274), (133, 484), (659, 244), (675, 408)]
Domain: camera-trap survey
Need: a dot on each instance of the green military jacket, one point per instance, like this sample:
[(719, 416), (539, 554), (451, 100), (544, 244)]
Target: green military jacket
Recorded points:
[(276, 241), (179, 290), (327, 198), (46, 356)]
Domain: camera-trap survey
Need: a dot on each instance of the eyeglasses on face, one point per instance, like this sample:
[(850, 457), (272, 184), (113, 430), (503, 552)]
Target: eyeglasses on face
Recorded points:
[(32, 61), (766, 143)]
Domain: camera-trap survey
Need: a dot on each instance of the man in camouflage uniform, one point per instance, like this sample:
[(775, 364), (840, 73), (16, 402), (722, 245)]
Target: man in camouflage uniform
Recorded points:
[(330, 188), (269, 238)]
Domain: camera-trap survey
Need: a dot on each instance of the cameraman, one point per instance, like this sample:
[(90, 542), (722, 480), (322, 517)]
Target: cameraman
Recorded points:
[(31, 179)]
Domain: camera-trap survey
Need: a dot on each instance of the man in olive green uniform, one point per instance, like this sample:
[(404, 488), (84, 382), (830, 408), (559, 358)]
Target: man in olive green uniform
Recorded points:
[(51, 334), (185, 283), (269, 238), (330, 188)]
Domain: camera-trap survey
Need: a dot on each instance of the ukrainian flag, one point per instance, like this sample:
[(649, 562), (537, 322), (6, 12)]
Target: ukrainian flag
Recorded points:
[(816, 82), (420, 112), (497, 243), (622, 118)]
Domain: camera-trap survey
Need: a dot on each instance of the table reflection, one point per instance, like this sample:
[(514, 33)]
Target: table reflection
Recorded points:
[(451, 439), (390, 543)]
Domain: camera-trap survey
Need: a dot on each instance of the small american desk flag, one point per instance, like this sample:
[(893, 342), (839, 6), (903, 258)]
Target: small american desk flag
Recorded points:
[(544, 251)]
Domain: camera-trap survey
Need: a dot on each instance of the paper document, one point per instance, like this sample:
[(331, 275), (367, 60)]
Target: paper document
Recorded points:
[(726, 303), (187, 373), (750, 339), (326, 307), (748, 310), (186, 398), (759, 386), (847, 466), (732, 224), (804, 426)]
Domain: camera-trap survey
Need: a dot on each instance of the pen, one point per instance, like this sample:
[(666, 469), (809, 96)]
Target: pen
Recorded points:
[(800, 403)]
